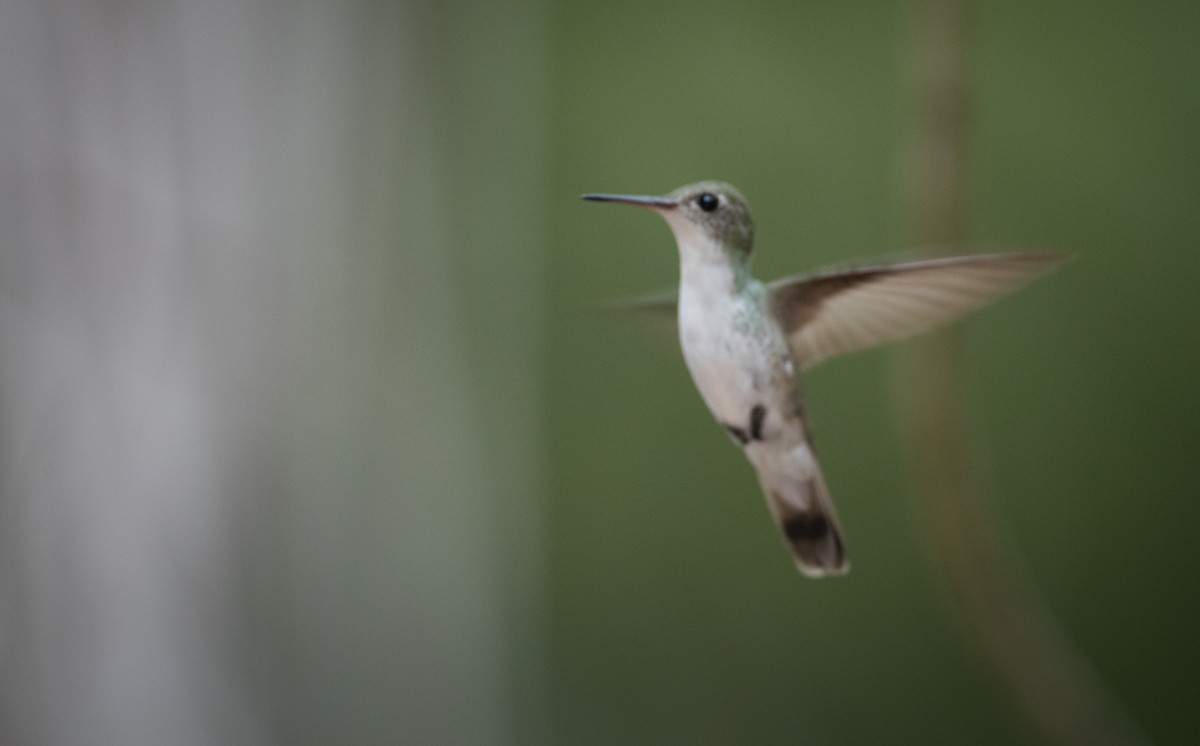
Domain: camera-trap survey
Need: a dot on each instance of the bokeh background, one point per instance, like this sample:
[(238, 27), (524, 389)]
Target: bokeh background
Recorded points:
[(310, 433)]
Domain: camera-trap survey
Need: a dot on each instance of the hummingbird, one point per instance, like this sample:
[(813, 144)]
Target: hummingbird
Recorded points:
[(745, 342)]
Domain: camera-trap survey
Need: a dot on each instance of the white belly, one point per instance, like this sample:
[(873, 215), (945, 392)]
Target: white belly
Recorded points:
[(737, 359)]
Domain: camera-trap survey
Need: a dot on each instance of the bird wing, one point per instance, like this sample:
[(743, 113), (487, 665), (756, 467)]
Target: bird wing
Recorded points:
[(659, 309), (837, 312), (661, 303)]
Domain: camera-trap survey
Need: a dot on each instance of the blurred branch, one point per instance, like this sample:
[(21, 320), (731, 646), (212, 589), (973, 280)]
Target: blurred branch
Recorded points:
[(1052, 683)]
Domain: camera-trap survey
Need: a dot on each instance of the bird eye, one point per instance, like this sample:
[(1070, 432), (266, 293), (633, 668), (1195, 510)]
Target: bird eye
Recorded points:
[(707, 201)]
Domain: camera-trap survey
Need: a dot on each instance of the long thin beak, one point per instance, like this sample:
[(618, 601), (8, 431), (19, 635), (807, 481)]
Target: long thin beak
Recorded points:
[(662, 203)]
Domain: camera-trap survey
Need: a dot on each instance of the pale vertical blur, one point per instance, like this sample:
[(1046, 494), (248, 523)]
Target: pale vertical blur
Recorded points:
[(268, 400)]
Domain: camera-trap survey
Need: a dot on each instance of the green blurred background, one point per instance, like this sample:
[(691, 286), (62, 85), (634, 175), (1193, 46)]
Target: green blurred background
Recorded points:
[(312, 433)]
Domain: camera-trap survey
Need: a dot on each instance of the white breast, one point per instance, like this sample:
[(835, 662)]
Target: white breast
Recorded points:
[(736, 359)]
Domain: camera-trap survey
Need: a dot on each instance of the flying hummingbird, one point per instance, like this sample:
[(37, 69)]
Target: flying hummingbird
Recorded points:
[(745, 342)]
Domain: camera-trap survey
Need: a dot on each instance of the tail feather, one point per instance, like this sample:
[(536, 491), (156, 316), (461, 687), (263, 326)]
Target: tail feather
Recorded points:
[(805, 515), (814, 537)]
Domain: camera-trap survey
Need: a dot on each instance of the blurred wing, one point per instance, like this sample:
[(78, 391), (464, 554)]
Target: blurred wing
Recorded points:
[(838, 312), (658, 308)]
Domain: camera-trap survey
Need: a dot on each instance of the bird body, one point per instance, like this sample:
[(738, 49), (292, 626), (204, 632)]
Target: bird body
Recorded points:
[(735, 355), (741, 364), (744, 342)]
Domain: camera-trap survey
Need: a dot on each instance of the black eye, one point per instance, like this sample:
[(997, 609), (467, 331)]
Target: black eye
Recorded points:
[(708, 201)]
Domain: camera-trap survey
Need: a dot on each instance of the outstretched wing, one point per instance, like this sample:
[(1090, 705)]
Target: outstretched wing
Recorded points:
[(838, 312)]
